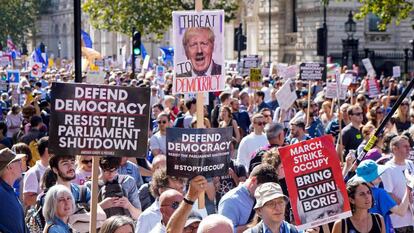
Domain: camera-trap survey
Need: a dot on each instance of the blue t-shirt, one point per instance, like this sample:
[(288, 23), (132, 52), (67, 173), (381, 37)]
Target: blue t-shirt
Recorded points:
[(383, 202), (11, 211), (237, 205), (129, 168)]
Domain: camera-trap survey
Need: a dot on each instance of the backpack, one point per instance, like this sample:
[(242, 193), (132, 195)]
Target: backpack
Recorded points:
[(113, 189)]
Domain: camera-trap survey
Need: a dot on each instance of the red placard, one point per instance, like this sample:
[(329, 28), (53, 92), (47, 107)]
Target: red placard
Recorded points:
[(314, 179)]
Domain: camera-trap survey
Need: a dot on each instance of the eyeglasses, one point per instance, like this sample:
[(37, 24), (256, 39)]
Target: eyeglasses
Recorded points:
[(110, 170), (86, 161), (275, 203), (357, 114), (162, 122), (173, 205), (259, 123)]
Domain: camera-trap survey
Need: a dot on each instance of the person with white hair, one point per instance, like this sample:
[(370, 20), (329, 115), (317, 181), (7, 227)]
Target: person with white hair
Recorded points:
[(57, 208), (215, 223)]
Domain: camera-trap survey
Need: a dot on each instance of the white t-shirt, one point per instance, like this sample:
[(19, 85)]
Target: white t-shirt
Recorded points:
[(394, 182), (33, 177), (82, 177), (248, 145), (159, 141)]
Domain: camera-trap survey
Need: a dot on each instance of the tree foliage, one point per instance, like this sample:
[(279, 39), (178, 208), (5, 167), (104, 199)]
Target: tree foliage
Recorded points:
[(18, 18), (386, 10), (147, 16)]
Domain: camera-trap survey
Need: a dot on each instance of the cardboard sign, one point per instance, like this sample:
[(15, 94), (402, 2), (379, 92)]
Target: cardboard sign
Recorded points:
[(396, 71), (17, 64), (368, 66), (311, 71), (198, 51), (37, 70), (256, 79), (13, 76), (286, 95), (192, 152), (99, 120), (316, 186)]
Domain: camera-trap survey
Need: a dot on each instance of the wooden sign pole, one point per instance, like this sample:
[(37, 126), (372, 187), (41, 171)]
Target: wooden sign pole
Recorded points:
[(309, 102), (200, 110), (94, 194)]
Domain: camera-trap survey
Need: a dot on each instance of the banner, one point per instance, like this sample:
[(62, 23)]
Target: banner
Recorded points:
[(99, 120), (192, 152), (311, 71), (286, 95), (199, 52), (256, 78), (316, 186)]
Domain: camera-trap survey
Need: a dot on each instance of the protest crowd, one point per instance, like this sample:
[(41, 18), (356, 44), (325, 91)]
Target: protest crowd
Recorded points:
[(48, 192)]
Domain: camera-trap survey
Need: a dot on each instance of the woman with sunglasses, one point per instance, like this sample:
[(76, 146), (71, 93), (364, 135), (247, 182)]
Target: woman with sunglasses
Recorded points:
[(83, 169), (402, 117), (376, 115)]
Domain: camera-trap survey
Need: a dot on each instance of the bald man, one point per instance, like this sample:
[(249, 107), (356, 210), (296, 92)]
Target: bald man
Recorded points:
[(169, 202), (215, 223)]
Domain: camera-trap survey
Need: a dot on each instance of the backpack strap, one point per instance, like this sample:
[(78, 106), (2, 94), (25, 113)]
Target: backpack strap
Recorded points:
[(46, 230)]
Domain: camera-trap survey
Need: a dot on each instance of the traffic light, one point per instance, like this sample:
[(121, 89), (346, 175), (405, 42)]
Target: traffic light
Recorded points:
[(136, 43), (243, 40), (24, 49), (321, 42)]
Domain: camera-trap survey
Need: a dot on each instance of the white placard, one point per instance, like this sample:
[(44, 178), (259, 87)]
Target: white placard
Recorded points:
[(368, 66), (396, 71), (332, 91), (286, 95), (146, 62)]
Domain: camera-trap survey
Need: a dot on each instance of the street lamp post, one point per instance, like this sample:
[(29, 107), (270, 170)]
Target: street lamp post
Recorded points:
[(59, 48), (350, 45)]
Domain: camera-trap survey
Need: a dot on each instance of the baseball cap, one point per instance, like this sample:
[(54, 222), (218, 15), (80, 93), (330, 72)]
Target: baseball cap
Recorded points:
[(192, 218), (267, 192), (368, 170), (7, 157)]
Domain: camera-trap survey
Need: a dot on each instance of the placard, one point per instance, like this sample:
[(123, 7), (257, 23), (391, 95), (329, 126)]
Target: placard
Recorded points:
[(396, 71), (317, 190), (311, 71), (332, 91), (192, 152), (36, 70), (256, 78), (4, 61), (286, 95), (13, 76), (160, 72), (198, 51), (368, 66), (99, 120)]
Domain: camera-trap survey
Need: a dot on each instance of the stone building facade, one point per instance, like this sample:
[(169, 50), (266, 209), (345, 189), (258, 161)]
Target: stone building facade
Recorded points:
[(293, 31)]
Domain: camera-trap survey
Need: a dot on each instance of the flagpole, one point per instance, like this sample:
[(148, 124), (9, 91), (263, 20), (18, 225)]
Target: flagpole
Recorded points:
[(78, 51)]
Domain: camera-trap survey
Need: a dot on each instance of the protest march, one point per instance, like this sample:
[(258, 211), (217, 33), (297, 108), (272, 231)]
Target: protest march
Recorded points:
[(197, 143)]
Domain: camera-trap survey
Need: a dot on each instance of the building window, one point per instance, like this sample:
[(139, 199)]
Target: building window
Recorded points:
[(373, 22)]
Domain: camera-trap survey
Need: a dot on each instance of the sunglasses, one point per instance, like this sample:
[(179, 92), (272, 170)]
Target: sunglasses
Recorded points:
[(260, 123), (86, 161), (380, 111), (173, 205), (406, 104), (110, 170), (267, 115), (357, 114), (162, 122)]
